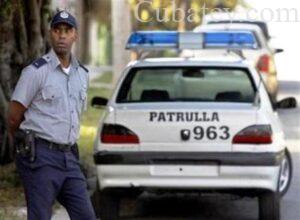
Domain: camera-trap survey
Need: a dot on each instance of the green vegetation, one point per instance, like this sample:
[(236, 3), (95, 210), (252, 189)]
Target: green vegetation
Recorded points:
[(90, 118), (105, 78), (10, 186)]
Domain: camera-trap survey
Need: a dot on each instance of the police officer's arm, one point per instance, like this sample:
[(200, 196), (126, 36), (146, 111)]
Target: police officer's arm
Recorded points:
[(27, 87), (15, 117)]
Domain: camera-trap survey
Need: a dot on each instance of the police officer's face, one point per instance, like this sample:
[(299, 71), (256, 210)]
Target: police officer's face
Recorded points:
[(62, 38)]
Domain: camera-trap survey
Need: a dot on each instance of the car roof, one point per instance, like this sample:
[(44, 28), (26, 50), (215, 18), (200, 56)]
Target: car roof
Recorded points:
[(222, 61), (234, 17), (228, 27)]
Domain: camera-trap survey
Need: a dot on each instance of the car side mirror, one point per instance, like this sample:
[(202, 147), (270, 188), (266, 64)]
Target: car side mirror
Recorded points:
[(99, 102), (279, 50), (287, 103)]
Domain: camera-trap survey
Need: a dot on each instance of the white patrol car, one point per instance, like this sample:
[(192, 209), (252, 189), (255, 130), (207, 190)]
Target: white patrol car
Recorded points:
[(236, 18), (257, 50), (191, 124)]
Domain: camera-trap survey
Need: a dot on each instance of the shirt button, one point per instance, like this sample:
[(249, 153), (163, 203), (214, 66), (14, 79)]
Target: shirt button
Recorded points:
[(72, 111)]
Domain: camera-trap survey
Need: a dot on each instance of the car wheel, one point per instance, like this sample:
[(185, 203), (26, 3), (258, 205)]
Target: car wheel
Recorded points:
[(269, 206), (106, 204), (286, 173)]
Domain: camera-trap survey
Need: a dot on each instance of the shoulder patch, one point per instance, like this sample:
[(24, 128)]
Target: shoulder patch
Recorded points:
[(83, 67), (39, 62)]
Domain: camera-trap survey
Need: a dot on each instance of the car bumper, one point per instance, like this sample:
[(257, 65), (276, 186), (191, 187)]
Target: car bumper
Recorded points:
[(197, 171)]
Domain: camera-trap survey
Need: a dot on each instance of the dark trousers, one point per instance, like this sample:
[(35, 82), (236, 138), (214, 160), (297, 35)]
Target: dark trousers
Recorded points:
[(54, 175)]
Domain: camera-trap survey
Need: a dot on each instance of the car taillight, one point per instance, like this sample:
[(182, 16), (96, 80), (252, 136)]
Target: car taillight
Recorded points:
[(118, 134), (265, 64), (255, 134)]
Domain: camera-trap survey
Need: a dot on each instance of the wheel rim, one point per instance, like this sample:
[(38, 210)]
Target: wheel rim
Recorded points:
[(284, 174)]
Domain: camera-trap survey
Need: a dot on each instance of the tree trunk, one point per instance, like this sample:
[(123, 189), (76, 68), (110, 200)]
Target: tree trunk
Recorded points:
[(23, 37), (121, 28), (181, 17), (83, 48), (34, 25)]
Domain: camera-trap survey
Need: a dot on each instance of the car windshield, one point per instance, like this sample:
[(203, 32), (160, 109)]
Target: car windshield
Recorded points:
[(187, 84)]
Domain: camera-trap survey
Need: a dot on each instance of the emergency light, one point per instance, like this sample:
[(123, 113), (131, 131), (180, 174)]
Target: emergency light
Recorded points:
[(164, 40), (152, 40), (232, 39)]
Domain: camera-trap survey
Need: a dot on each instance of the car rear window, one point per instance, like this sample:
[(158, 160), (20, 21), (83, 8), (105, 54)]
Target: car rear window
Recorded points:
[(187, 84)]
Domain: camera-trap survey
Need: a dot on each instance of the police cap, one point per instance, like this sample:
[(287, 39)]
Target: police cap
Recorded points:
[(64, 17)]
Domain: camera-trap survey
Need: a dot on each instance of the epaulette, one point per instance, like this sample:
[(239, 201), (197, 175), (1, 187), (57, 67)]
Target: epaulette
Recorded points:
[(39, 62), (83, 67)]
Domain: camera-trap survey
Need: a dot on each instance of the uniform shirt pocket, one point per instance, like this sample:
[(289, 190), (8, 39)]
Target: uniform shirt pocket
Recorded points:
[(51, 96), (49, 93)]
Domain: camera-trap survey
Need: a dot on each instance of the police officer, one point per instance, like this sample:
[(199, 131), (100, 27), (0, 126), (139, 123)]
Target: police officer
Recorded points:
[(47, 102)]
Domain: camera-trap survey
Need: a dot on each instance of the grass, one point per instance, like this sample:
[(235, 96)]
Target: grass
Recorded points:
[(105, 78), (11, 191), (10, 186)]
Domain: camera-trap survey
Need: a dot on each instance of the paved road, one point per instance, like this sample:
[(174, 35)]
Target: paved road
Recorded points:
[(221, 207), (291, 124)]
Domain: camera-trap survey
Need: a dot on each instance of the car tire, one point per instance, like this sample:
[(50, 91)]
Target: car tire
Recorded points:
[(106, 204), (286, 174), (269, 206)]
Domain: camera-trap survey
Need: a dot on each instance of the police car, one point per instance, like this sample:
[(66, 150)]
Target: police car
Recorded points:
[(190, 124), (257, 50), (236, 18)]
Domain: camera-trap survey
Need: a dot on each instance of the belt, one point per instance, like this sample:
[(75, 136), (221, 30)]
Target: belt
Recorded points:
[(55, 146)]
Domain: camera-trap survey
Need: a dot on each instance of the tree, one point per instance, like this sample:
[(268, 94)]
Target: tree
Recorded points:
[(23, 37), (121, 28), (90, 12)]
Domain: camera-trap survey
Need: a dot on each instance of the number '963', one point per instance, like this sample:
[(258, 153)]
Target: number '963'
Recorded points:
[(211, 133)]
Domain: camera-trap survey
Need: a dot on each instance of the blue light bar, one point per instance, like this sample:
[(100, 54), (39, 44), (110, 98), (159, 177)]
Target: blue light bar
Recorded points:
[(232, 39), (153, 39)]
